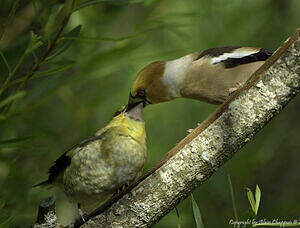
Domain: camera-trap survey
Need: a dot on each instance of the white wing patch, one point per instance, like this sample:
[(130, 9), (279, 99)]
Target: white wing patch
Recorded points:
[(238, 53)]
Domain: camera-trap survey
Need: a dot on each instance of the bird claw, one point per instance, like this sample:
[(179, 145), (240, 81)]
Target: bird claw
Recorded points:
[(122, 188), (126, 185), (81, 215), (233, 89), (191, 129)]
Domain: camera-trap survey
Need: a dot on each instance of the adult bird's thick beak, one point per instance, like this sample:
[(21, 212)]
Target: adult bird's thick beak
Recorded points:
[(134, 101)]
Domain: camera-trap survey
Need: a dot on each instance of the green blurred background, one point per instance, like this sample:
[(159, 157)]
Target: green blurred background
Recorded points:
[(91, 79)]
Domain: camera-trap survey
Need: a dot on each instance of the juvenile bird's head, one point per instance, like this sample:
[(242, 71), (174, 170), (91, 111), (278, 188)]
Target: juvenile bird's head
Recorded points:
[(148, 86), (135, 112), (130, 122), (124, 113)]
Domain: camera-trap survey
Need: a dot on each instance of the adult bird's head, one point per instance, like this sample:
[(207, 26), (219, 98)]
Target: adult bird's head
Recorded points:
[(148, 86)]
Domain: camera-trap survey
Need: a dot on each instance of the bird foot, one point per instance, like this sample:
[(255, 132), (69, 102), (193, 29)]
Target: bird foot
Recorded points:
[(232, 90), (191, 129), (81, 214), (122, 188), (126, 185)]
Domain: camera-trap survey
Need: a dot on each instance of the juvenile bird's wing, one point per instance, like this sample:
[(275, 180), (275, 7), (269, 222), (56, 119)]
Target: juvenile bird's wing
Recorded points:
[(65, 160), (232, 56)]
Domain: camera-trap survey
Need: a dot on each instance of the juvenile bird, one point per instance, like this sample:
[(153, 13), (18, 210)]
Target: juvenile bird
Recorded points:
[(209, 76), (104, 162)]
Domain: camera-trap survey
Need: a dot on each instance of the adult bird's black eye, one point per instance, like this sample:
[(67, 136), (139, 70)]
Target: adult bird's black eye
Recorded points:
[(141, 93)]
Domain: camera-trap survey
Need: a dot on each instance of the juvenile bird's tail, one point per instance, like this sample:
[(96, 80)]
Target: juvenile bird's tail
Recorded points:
[(45, 184)]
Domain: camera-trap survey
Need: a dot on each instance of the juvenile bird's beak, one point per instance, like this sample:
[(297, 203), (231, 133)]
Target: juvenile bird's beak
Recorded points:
[(133, 101), (136, 112)]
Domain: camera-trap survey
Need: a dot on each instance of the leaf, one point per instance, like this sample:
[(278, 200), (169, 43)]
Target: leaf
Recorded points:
[(12, 97), (2, 203), (14, 140), (52, 71), (178, 217), (6, 223), (196, 213), (2, 117), (254, 203), (251, 199), (94, 2), (65, 43), (5, 61), (62, 66), (63, 62), (35, 42), (232, 198), (257, 198), (5, 219), (42, 74), (9, 18)]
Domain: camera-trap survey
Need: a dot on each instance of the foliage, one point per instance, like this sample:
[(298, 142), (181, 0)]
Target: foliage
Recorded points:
[(68, 65), (5, 218), (250, 217), (254, 202), (196, 213)]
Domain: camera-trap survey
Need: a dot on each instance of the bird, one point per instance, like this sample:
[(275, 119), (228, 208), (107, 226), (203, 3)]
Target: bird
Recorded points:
[(101, 164), (209, 76)]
